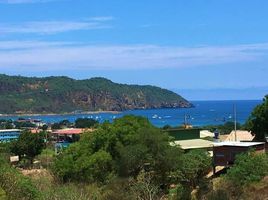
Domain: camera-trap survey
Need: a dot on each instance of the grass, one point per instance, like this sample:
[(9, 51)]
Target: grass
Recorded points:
[(2, 194), (257, 191), (51, 190)]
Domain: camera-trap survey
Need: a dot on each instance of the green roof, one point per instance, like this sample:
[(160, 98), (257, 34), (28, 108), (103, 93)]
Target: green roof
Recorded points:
[(184, 134)]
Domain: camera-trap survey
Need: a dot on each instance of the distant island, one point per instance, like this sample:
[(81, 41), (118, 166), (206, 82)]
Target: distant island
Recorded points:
[(32, 95)]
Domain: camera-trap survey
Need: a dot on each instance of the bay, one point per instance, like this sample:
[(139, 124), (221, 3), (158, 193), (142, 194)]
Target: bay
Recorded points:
[(204, 113)]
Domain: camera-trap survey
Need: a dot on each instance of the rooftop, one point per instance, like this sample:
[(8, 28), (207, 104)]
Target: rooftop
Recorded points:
[(193, 144), (206, 133), (241, 135), (237, 144), (69, 131), (9, 130)]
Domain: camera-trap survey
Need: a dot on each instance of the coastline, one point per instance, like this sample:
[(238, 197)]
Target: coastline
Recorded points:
[(54, 114), (85, 112), (200, 115)]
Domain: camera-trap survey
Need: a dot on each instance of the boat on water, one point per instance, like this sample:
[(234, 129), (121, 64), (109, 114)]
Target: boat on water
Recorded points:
[(155, 116)]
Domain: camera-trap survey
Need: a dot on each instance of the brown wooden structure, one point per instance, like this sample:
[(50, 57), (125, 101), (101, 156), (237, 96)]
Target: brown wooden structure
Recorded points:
[(224, 153)]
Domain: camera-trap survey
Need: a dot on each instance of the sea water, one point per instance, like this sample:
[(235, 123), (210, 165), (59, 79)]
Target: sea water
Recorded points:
[(203, 113)]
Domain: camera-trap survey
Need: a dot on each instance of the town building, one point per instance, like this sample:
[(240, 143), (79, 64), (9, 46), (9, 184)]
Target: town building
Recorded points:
[(67, 135), (8, 135), (238, 135), (224, 153), (194, 144), (35, 122), (64, 137), (206, 134), (190, 138)]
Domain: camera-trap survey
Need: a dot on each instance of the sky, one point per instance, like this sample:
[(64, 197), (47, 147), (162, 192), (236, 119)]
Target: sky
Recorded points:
[(203, 50)]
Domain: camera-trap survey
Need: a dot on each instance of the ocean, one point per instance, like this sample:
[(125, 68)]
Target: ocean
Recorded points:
[(204, 113)]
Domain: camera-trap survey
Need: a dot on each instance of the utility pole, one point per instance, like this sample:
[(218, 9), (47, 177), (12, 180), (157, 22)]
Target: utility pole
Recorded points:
[(185, 121), (235, 122)]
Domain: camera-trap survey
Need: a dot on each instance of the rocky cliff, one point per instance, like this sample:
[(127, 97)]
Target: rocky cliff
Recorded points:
[(62, 94)]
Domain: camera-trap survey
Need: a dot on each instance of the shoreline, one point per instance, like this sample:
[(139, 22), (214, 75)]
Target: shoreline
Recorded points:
[(54, 114), (82, 113)]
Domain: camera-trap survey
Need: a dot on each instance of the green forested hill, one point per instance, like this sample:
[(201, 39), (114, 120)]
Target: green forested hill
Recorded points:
[(62, 94)]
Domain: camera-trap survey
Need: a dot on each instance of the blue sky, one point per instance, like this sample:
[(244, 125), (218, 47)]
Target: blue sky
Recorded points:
[(201, 49)]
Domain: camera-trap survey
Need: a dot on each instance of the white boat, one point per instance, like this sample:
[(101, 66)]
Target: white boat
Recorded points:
[(154, 116)]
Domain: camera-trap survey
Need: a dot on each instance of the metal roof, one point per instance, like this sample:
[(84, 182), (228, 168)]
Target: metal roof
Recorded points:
[(193, 144), (240, 135), (9, 130), (237, 144), (71, 131)]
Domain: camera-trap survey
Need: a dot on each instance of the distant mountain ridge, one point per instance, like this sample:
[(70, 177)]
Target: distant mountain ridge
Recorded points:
[(62, 94)]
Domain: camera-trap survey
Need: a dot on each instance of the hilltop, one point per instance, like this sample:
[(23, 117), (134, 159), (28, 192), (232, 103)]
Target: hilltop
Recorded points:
[(63, 94)]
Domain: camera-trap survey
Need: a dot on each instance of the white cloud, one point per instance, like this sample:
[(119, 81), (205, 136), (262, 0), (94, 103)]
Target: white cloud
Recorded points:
[(46, 56), (25, 1), (102, 18), (23, 45), (52, 27)]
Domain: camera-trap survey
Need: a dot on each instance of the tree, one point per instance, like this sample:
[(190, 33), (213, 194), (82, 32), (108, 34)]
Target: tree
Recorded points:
[(144, 187), (227, 127), (55, 126), (248, 167), (44, 127), (15, 184), (65, 123), (195, 165), (23, 124), (6, 124), (85, 123), (62, 124), (83, 167), (138, 154), (258, 121), (128, 146), (28, 144)]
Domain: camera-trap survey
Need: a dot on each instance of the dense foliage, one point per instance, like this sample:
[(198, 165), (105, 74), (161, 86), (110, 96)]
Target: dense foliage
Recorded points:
[(5, 150), (61, 124), (63, 94), (6, 124), (258, 121), (196, 164), (247, 179), (26, 124), (249, 167), (28, 145), (15, 184), (225, 128), (133, 150), (85, 123)]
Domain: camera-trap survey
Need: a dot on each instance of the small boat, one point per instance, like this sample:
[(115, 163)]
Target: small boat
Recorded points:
[(168, 116), (154, 116)]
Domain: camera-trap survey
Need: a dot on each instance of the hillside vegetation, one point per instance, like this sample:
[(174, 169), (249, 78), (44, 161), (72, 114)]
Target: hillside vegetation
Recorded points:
[(62, 94)]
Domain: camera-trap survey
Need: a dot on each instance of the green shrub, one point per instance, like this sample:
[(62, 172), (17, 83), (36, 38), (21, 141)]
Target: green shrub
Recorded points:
[(28, 145), (248, 168), (46, 157), (15, 184), (85, 123), (180, 192), (218, 195), (2, 194)]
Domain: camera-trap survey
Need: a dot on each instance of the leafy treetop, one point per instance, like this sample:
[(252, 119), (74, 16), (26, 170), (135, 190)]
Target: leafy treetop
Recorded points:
[(258, 121)]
